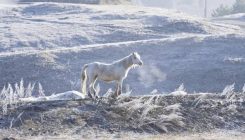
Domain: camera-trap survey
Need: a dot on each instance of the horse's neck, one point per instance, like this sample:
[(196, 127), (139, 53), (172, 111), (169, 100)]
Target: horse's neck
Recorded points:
[(126, 62)]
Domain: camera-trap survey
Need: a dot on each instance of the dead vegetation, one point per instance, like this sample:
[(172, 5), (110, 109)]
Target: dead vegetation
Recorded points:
[(145, 114), (152, 114), (11, 94)]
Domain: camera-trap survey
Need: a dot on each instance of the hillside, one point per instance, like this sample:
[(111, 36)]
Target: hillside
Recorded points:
[(50, 42), (82, 1)]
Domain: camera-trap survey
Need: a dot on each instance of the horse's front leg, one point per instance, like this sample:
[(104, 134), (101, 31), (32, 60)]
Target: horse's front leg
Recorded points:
[(119, 88), (90, 93), (95, 92)]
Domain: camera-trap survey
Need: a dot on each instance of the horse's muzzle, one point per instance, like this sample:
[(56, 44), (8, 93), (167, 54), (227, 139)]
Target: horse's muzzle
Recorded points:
[(141, 63)]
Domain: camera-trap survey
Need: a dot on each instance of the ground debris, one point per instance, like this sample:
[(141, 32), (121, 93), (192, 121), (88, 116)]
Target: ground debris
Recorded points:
[(149, 114)]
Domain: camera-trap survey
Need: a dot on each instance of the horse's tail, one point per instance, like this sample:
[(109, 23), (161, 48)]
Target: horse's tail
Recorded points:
[(84, 79)]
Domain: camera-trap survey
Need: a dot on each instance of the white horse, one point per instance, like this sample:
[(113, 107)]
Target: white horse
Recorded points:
[(116, 71)]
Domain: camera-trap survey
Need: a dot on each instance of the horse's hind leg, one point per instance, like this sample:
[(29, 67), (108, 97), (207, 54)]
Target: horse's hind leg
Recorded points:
[(118, 89), (92, 90), (89, 90)]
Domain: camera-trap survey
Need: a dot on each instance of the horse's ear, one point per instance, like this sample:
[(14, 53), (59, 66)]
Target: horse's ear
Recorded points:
[(134, 53)]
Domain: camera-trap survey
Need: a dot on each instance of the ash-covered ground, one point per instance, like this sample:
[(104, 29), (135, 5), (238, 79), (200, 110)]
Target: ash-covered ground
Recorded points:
[(146, 115)]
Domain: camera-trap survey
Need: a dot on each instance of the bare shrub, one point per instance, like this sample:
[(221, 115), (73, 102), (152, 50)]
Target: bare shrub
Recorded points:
[(228, 89), (180, 91), (10, 95), (40, 90), (229, 92), (200, 99), (146, 110), (109, 93)]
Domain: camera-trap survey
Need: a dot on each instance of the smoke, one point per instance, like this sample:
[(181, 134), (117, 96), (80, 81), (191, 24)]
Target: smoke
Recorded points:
[(7, 2), (115, 1), (193, 7), (6, 6), (137, 2), (148, 75)]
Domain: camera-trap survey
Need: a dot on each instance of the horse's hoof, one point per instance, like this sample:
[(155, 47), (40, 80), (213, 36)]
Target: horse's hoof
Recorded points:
[(114, 96), (90, 96), (97, 97)]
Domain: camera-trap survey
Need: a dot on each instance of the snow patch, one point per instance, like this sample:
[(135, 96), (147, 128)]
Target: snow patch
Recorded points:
[(235, 60), (178, 93), (239, 16), (69, 95)]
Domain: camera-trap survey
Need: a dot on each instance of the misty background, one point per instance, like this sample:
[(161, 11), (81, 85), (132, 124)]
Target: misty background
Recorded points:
[(192, 7), (176, 46)]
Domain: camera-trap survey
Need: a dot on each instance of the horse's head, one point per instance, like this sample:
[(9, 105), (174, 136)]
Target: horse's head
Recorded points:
[(136, 59)]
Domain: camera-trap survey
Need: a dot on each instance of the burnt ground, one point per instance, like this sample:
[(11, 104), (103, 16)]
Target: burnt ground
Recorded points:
[(156, 114)]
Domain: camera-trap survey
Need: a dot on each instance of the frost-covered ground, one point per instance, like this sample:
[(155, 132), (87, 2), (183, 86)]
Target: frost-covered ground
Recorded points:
[(50, 42), (234, 19)]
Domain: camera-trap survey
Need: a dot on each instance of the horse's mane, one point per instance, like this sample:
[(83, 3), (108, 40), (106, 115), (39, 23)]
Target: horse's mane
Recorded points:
[(127, 58), (122, 59)]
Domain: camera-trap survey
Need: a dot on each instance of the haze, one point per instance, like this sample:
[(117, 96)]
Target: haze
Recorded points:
[(193, 7)]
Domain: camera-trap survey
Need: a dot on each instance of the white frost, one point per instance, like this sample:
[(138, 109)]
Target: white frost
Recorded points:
[(69, 95)]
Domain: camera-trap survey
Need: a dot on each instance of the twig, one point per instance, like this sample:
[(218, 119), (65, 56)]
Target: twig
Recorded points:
[(11, 123), (19, 117)]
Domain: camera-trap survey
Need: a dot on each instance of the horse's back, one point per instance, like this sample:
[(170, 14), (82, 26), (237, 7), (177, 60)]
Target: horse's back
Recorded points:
[(98, 67)]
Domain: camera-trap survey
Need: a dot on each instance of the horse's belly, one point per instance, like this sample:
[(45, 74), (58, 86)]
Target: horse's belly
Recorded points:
[(106, 78), (109, 73)]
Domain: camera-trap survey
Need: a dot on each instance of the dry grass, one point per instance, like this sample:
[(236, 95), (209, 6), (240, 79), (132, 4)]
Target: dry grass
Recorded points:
[(10, 95), (127, 115)]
